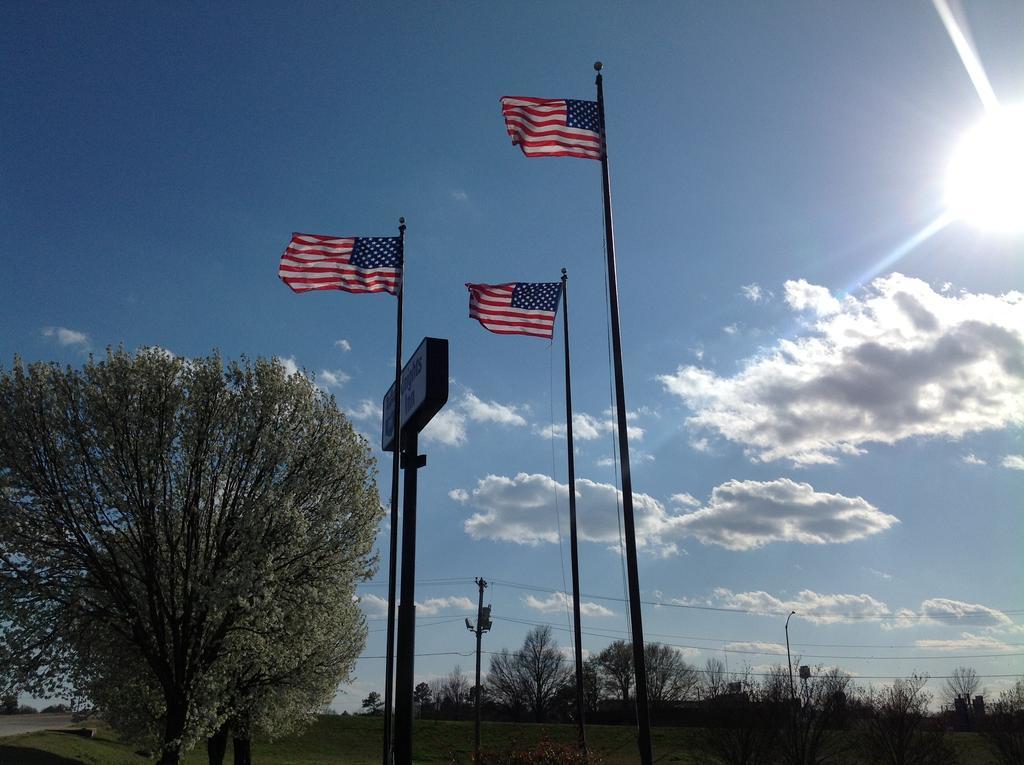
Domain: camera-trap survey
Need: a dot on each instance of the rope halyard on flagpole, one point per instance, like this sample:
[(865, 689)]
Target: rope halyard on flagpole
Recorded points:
[(613, 433), (577, 629), (554, 481)]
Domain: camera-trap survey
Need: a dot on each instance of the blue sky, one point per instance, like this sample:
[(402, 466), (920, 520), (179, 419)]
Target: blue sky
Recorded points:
[(819, 424)]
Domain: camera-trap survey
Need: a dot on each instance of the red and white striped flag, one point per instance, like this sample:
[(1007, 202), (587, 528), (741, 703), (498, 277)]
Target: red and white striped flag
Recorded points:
[(349, 263), (516, 308), (558, 127)]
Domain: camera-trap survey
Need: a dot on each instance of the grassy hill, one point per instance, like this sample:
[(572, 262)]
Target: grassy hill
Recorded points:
[(357, 741)]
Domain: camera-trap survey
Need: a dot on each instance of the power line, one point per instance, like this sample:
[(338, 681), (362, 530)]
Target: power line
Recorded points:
[(722, 609), (457, 615), (767, 612), (444, 580), (597, 632), (428, 624), (807, 655)]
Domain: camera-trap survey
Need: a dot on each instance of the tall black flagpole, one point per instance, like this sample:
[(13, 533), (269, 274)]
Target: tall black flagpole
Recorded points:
[(389, 663), (578, 642), (643, 719)]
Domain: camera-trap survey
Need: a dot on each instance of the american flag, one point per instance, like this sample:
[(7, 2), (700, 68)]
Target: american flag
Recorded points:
[(349, 263), (553, 127), (516, 308)]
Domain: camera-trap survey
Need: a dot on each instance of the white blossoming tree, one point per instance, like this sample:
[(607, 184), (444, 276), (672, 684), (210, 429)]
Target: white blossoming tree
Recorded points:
[(180, 541)]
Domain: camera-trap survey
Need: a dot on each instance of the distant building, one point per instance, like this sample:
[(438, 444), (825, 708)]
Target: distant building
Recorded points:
[(967, 712)]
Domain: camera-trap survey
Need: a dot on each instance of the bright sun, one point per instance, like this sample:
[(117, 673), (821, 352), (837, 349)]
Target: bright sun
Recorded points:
[(985, 181)]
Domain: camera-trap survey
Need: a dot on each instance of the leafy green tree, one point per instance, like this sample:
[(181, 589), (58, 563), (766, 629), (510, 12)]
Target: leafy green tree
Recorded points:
[(373, 704), (169, 531), (421, 696)]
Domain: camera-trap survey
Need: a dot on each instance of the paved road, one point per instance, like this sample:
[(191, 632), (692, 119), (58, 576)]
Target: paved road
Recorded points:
[(11, 725)]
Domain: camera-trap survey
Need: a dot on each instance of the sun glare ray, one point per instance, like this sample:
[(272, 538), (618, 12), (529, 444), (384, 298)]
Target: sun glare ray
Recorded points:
[(960, 34), (901, 250)]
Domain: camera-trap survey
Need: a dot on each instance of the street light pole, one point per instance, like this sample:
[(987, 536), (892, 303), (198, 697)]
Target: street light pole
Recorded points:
[(789, 659)]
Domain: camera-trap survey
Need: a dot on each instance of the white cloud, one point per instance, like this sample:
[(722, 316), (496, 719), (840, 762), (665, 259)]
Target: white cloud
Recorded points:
[(448, 427), (344, 344), (1013, 461), (966, 642), (958, 612), (730, 329), (489, 411), (635, 457), (433, 606), (684, 498), (586, 427), (68, 337), (803, 296), (375, 606), (522, 510), (459, 195), (972, 459), (557, 602), (901, 361), (950, 612), (753, 292), (820, 608), (567, 651), (289, 364), (879, 574), (742, 515), (756, 646), (365, 410), (332, 379)]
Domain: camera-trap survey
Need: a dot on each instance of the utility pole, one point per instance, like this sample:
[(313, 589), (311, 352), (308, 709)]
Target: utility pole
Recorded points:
[(483, 624)]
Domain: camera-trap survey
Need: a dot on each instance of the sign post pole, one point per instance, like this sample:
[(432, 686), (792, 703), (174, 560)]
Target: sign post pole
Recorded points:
[(419, 394), (411, 462)]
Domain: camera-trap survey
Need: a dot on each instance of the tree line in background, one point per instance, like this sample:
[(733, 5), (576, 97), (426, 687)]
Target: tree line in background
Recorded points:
[(743, 718), (180, 542), (9, 706)]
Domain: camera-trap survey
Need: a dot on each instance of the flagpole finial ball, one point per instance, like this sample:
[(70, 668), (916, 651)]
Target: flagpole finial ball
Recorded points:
[(598, 66)]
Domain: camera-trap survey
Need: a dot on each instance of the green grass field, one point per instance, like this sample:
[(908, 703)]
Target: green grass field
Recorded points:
[(356, 741)]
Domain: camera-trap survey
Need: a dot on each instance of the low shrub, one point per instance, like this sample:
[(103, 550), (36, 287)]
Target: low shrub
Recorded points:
[(543, 752)]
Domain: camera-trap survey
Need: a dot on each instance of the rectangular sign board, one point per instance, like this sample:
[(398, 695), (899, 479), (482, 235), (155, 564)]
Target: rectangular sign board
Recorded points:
[(424, 390)]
